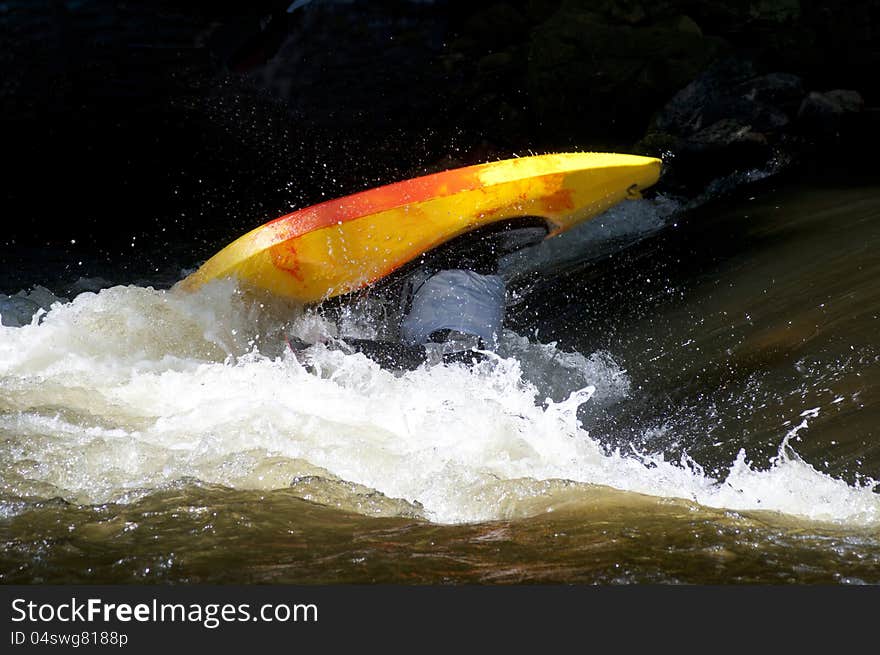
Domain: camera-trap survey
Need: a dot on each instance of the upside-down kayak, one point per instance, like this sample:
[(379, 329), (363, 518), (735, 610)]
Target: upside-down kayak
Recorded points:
[(345, 244)]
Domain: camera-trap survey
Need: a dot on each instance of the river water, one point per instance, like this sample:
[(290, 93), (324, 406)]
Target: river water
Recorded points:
[(680, 396)]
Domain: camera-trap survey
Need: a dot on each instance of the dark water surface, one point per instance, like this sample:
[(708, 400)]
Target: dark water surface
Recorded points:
[(739, 319), (732, 435)]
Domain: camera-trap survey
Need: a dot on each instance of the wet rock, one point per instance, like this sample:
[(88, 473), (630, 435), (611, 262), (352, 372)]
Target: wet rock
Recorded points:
[(728, 118), (728, 132), (778, 11), (781, 90), (731, 90), (847, 99), (19, 309), (839, 101), (831, 117)]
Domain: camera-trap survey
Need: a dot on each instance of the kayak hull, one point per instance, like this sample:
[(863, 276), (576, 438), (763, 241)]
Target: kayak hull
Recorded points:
[(345, 244)]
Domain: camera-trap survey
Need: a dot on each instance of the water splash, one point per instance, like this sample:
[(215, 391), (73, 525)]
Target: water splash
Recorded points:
[(119, 393)]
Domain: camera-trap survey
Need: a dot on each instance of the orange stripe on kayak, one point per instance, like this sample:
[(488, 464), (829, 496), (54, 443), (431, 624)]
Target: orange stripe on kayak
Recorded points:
[(285, 259), (559, 201), (376, 200)]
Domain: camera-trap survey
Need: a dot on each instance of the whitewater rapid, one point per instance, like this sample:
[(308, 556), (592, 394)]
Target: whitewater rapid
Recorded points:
[(115, 394)]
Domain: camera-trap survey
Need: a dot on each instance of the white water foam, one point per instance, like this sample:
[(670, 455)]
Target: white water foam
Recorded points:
[(124, 391)]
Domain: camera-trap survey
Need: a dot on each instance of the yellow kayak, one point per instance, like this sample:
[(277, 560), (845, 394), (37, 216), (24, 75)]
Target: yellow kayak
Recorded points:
[(345, 244)]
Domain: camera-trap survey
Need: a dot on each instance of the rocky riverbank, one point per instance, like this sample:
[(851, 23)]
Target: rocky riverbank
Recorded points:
[(168, 122), (714, 87)]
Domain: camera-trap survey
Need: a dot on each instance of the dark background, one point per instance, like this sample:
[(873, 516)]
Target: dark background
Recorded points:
[(139, 137)]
